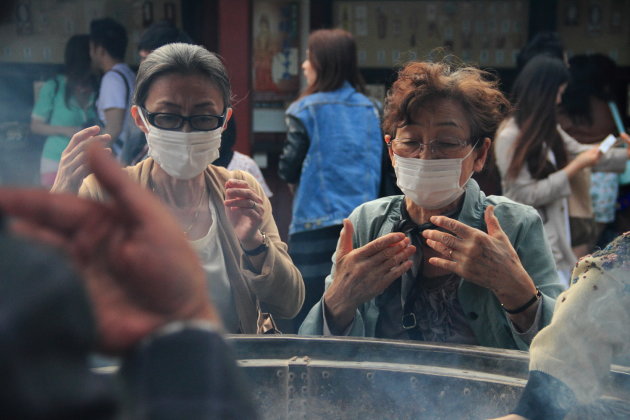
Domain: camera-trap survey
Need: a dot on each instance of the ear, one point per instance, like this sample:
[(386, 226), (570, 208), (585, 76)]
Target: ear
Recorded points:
[(482, 155), (135, 113), (228, 115), (388, 140)]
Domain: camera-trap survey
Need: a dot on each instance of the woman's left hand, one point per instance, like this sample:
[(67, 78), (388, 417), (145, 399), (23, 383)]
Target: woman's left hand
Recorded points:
[(245, 210), (486, 259)]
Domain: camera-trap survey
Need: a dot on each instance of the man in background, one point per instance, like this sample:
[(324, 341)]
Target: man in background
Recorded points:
[(108, 44)]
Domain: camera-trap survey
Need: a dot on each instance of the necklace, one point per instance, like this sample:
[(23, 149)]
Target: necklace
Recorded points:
[(187, 228)]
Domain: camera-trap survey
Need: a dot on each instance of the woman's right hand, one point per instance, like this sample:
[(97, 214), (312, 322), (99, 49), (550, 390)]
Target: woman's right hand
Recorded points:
[(364, 273), (73, 166), (586, 159), (589, 157)]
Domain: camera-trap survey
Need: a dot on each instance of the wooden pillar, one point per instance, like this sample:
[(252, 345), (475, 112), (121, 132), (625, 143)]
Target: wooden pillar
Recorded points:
[(235, 48)]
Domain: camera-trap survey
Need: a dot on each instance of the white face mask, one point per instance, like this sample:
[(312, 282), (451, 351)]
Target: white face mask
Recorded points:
[(182, 155), (430, 183)]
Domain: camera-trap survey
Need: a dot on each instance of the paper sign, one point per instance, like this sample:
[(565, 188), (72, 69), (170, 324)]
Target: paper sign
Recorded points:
[(608, 142)]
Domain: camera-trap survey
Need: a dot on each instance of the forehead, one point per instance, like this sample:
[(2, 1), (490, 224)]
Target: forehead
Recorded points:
[(438, 114), (185, 90)]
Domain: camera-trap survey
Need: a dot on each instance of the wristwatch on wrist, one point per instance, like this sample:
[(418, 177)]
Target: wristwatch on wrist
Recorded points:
[(260, 248)]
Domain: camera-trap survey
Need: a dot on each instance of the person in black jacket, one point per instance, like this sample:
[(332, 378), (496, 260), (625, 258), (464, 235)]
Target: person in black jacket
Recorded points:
[(141, 296)]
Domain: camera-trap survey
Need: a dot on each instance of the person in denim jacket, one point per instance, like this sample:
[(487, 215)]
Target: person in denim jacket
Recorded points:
[(332, 156)]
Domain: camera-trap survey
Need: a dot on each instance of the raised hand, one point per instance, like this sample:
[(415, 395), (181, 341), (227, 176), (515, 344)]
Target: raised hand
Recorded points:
[(245, 211), (364, 273), (138, 267), (73, 166), (486, 259), (588, 158)]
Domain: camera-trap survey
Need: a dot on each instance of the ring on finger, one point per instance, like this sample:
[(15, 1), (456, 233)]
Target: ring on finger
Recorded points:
[(253, 205), (450, 253)]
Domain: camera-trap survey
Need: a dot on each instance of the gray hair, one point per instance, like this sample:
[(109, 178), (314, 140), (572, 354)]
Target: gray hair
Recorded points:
[(183, 59)]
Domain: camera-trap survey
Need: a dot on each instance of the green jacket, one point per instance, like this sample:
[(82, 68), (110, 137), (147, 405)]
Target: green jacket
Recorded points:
[(523, 226)]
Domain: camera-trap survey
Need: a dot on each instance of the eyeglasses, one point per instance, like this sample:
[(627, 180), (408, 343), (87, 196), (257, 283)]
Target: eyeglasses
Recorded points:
[(444, 148), (174, 122)]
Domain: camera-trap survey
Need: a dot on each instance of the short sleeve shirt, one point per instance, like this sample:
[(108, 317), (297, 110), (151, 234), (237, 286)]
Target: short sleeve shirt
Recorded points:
[(51, 107), (115, 93)]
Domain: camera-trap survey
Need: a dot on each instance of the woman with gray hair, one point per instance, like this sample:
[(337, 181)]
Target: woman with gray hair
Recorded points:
[(182, 104)]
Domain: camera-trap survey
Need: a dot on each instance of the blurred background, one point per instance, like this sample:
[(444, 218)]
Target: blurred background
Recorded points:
[(263, 45)]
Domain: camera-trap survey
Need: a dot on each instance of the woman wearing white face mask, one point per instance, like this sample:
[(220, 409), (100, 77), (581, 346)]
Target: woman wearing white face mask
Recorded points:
[(443, 262), (182, 103)]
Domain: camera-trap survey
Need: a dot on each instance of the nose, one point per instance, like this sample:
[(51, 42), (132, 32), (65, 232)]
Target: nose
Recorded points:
[(187, 128), (424, 152)]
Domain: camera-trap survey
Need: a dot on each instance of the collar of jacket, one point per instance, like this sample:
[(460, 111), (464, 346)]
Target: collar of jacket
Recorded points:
[(471, 214)]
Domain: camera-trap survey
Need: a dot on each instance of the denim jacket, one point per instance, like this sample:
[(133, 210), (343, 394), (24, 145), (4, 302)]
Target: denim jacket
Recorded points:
[(342, 167), (488, 320)]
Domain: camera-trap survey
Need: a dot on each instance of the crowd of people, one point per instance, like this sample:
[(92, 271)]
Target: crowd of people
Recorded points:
[(182, 243)]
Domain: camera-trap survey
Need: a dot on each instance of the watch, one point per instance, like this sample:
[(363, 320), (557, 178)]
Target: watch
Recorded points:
[(260, 248)]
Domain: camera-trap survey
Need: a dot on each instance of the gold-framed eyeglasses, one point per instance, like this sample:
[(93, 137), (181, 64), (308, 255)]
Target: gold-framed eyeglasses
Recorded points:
[(442, 148)]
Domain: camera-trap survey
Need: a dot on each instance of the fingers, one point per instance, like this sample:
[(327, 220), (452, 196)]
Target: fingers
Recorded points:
[(254, 213), (62, 213), (39, 234), (379, 244), (395, 260), (236, 183), (245, 201), (242, 193), (393, 274), (93, 235), (81, 136), (345, 245), (75, 157), (135, 202), (394, 249), (494, 227), (457, 228), (447, 265), (446, 251), (445, 240)]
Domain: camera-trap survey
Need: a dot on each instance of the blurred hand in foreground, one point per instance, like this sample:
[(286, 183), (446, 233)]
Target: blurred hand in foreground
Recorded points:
[(138, 267)]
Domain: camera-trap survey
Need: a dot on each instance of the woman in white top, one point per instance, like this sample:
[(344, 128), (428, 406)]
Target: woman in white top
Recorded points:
[(182, 104), (536, 158)]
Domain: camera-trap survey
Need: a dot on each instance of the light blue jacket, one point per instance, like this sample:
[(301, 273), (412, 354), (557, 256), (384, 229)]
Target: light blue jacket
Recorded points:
[(487, 319), (342, 168)]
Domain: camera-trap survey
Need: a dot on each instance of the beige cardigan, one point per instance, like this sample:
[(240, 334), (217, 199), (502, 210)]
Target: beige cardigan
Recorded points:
[(279, 286), (547, 195)]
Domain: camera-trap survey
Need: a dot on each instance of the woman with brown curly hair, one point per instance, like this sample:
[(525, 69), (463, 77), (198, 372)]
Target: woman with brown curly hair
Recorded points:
[(442, 262)]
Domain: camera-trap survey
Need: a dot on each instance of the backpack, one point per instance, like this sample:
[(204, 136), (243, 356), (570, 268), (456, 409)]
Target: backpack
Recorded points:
[(133, 148)]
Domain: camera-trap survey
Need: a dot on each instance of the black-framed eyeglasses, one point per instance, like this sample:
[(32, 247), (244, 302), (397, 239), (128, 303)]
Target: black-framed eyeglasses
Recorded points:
[(174, 122), (443, 148)]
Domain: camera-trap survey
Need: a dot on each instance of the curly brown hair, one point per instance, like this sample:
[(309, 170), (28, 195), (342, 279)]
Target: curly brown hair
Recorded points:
[(419, 83)]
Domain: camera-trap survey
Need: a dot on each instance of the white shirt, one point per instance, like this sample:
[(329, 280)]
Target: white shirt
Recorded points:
[(113, 93), (210, 252)]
